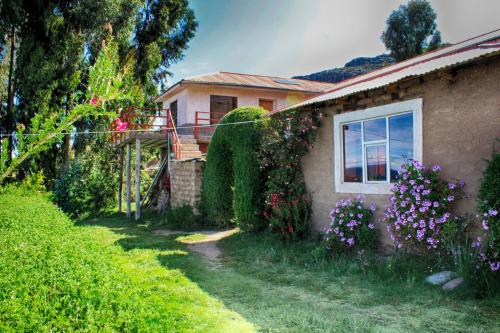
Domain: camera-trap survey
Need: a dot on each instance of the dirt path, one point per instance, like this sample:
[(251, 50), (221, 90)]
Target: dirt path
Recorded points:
[(207, 246)]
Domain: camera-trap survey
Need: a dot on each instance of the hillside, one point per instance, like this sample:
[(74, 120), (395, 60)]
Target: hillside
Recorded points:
[(355, 67)]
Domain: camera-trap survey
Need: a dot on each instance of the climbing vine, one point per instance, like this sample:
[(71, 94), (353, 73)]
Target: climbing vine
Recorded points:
[(287, 205)]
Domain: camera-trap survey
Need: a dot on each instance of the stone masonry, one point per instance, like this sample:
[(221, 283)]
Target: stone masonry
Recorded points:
[(186, 182)]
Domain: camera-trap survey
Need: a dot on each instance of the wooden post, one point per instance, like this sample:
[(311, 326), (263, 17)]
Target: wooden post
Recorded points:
[(137, 179), (120, 183), (129, 157)]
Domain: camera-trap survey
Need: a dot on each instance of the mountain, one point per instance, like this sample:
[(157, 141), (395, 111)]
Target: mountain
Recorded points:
[(355, 67)]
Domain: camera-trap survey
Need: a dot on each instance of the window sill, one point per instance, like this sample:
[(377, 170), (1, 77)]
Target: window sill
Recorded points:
[(363, 188)]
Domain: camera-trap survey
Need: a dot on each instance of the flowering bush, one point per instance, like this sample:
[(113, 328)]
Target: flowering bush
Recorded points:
[(489, 208), (289, 136), (419, 206), (290, 217), (350, 226), (489, 249)]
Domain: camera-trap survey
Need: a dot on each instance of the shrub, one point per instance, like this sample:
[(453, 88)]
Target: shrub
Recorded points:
[(84, 186), (287, 139), (489, 211), (419, 207), (183, 217), (350, 226), (231, 179), (290, 218)]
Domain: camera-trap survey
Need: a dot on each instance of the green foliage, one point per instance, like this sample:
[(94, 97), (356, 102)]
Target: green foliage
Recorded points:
[(489, 209), (288, 138), (106, 277), (409, 28), (232, 181), (86, 186), (183, 218)]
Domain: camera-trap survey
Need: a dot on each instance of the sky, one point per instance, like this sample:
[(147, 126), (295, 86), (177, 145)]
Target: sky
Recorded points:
[(293, 37)]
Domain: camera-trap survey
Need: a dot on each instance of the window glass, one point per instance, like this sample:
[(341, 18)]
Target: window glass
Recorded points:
[(374, 130), (376, 163), (353, 153), (400, 142)]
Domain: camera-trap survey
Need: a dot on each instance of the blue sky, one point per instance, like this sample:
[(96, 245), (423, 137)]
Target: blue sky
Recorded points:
[(292, 37)]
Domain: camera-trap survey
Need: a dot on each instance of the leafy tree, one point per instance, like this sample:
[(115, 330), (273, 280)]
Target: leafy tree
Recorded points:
[(56, 42), (409, 29)]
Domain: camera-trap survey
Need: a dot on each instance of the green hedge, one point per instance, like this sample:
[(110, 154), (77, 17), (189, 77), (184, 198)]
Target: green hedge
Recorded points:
[(231, 181)]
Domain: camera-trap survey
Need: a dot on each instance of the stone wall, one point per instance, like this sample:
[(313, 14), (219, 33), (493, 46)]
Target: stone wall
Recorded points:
[(186, 182), (461, 121)]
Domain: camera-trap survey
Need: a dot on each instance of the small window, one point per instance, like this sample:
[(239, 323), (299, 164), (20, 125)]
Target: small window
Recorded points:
[(220, 105), (370, 145), (266, 104)]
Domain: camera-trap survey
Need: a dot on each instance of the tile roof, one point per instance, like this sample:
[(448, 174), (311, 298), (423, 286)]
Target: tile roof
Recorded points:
[(254, 81), (468, 50)]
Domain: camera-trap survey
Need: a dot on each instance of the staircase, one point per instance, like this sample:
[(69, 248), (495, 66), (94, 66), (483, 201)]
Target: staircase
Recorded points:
[(189, 147)]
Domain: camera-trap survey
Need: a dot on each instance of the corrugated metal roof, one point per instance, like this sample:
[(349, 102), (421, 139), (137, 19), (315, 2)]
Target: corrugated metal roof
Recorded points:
[(254, 81), (446, 57)]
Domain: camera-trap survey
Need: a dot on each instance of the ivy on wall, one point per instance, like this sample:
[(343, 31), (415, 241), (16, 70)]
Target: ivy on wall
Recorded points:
[(287, 205)]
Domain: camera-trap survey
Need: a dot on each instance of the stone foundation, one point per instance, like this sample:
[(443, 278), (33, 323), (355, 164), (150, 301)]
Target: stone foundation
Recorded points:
[(186, 182)]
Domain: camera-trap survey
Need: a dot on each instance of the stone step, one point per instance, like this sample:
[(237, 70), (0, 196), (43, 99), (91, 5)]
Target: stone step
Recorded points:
[(187, 140), (190, 147), (191, 154)]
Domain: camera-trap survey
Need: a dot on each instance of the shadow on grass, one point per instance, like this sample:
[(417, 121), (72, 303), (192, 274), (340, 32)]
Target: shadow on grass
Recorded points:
[(291, 287)]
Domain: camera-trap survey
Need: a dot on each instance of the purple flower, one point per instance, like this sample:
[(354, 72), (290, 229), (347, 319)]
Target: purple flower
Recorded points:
[(492, 212), (495, 266), (436, 204), (486, 226), (350, 241), (371, 226), (451, 198), (451, 186), (360, 216), (436, 168), (373, 206)]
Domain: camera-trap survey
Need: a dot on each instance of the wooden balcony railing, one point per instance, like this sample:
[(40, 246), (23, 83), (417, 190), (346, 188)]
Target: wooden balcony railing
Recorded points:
[(138, 119), (202, 121)]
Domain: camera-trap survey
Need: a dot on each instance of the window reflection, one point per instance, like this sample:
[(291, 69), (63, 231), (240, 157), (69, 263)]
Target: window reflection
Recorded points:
[(374, 129), (401, 141), (353, 157), (376, 163)]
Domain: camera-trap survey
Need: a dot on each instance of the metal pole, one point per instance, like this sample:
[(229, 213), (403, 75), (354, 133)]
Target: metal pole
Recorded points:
[(138, 179), (129, 157), (120, 183)]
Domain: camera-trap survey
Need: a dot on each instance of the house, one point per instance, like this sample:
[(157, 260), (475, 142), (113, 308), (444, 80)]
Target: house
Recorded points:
[(441, 108), (184, 125), (202, 100)]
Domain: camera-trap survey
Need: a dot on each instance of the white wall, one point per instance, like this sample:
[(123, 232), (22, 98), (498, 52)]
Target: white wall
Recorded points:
[(197, 98)]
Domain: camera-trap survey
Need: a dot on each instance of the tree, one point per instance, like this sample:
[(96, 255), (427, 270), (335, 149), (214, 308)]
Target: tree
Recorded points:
[(56, 42), (409, 29)]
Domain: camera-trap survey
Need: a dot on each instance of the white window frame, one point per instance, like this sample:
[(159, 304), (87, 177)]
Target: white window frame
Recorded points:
[(373, 187)]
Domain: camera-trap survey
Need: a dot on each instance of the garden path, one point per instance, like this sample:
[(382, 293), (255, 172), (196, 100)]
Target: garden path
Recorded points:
[(206, 246)]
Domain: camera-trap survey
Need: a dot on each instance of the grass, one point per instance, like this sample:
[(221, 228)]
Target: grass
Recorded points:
[(55, 276), (110, 274)]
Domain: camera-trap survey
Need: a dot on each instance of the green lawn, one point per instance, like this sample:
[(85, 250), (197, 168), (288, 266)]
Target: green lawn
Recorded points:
[(109, 274)]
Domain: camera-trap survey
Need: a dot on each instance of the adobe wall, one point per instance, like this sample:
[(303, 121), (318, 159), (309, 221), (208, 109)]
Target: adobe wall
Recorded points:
[(185, 182), (461, 120)]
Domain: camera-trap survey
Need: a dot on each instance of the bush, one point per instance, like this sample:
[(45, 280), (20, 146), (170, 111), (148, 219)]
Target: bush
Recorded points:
[(287, 205), (183, 218), (489, 211), (231, 179), (419, 207), (292, 219), (84, 186), (351, 226)]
